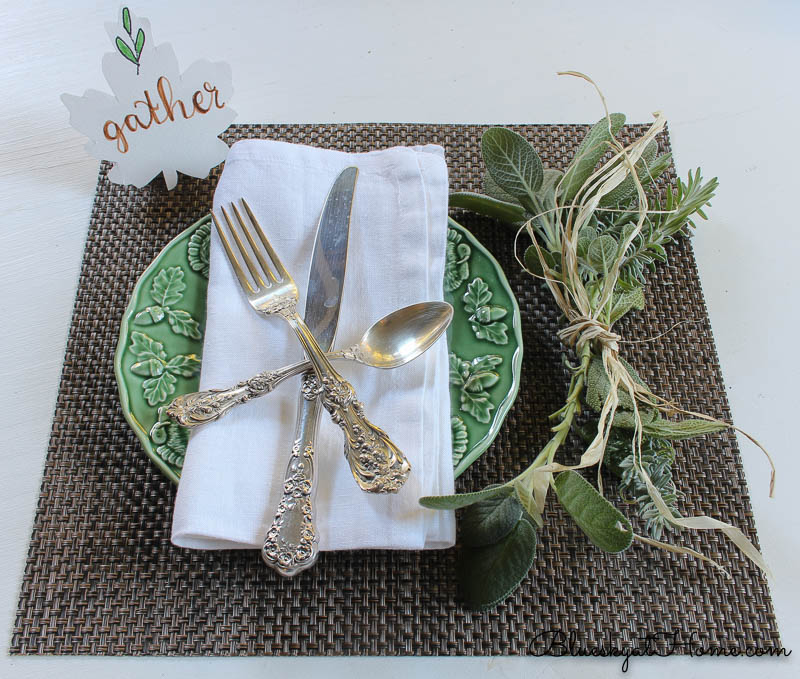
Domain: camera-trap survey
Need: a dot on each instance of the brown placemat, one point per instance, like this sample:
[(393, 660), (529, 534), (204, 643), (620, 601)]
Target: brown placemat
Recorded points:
[(102, 577)]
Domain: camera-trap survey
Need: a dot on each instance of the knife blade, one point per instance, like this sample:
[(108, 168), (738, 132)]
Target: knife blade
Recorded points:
[(292, 542)]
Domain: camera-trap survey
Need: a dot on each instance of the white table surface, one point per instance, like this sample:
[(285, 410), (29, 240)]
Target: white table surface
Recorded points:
[(723, 72)]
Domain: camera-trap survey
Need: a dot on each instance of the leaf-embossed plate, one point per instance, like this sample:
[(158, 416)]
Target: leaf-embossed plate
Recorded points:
[(160, 346)]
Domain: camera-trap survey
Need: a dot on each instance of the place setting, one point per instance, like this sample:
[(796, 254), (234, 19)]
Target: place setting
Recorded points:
[(383, 389)]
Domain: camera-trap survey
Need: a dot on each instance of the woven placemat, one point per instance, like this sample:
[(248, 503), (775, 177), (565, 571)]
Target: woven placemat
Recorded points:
[(103, 578)]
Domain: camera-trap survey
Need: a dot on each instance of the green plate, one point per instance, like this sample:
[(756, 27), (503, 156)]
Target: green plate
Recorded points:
[(161, 341)]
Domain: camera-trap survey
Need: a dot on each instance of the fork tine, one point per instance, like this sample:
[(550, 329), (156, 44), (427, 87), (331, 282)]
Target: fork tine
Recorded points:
[(265, 265), (282, 272), (242, 251), (237, 268)]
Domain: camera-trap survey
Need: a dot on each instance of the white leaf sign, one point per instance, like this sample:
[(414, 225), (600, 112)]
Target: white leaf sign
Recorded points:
[(159, 119)]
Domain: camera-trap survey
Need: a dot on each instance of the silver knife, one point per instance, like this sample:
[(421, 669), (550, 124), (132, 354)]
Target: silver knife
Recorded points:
[(292, 543)]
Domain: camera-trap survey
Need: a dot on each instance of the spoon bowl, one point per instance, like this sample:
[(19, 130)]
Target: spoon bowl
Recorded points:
[(403, 335)]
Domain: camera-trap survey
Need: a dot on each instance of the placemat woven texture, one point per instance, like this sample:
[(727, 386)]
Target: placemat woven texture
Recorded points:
[(103, 578)]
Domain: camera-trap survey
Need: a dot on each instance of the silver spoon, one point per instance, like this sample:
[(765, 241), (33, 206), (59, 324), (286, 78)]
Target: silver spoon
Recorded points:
[(394, 340)]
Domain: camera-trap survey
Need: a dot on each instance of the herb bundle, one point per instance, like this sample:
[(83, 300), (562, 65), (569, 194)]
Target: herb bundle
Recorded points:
[(596, 230)]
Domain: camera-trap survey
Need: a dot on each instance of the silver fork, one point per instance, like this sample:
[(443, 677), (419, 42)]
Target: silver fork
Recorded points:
[(378, 466)]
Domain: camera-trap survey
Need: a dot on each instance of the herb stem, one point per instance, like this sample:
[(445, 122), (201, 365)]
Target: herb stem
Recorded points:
[(567, 413)]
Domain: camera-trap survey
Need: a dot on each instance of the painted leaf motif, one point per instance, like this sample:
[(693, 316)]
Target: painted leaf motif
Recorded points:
[(145, 347), (456, 267), (197, 250), (489, 313), (125, 51), (168, 286), (460, 438), (151, 367), (126, 19), (482, 380), (459, 370), (139, 43), (184, 365), (148, 316), (173, 451), (478, 405), (182, 323), (488, 362), (157, 389), (477, 295), (494, 332)]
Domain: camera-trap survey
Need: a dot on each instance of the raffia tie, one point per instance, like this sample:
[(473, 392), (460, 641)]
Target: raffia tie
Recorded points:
[(583, 329)]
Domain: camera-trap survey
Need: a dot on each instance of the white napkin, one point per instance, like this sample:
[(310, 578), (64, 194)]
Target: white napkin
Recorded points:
[(233, 472)]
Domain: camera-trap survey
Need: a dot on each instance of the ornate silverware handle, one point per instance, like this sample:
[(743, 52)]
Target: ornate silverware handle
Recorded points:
[(292, 543), (377, 464), (201, 407)]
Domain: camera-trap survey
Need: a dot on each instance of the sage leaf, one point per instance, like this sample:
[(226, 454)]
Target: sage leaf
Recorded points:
[(491, 519), (550, 179), (126, 19), (623, 302), (598, 385), (492, 189), (148, 316), (139, 43), (626, 419), (486, 205), (512, 162), (602, 252), (534, 264), (143, 346), (489, 574), (591, 150), (460, 500), (626, 190), (156, 389), (184, 365), (168, 286), (182, 323), (685, 429), (125, 51), (151, 367), (602, 522)]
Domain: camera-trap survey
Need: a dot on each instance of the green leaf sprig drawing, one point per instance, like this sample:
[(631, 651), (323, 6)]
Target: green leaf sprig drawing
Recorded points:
[(596, 231), (167, 290), (132, 52), (162, 372)]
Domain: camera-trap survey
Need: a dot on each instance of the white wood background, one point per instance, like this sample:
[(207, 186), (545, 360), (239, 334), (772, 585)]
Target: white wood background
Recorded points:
[(725, 74)]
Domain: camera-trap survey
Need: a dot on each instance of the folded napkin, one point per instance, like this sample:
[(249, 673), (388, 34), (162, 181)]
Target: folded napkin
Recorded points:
[(233, 472)]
